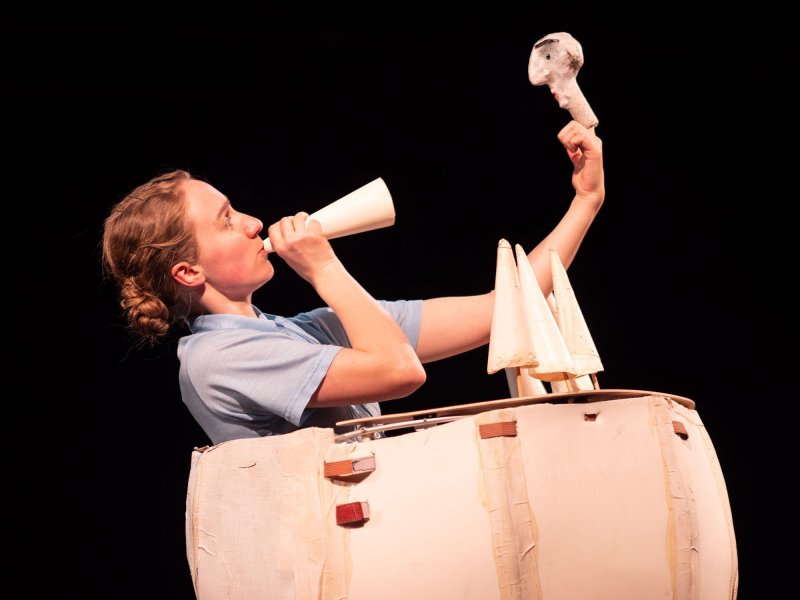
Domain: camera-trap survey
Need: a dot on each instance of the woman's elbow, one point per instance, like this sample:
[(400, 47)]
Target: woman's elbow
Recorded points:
[(409, 377)]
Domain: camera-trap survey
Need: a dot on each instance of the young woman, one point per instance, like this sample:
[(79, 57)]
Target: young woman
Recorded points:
[(180, 252)]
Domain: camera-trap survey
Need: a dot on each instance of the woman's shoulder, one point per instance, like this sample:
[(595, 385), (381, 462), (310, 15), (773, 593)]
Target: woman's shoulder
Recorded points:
[(207, 340)]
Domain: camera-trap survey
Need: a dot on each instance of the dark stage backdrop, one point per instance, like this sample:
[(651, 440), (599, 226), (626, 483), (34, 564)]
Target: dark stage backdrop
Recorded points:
[(283, 121)]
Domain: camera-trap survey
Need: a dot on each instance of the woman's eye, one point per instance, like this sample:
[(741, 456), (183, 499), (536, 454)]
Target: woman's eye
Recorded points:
[(226, 222)]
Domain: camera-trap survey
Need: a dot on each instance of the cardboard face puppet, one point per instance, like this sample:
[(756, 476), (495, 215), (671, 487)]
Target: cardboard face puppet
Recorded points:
[(555, 62)]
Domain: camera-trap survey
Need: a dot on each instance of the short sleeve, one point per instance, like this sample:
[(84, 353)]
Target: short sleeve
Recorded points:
[(252, 375), (324, 325)]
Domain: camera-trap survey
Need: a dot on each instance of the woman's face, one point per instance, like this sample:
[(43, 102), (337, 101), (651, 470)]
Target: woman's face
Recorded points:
[(230, 252)]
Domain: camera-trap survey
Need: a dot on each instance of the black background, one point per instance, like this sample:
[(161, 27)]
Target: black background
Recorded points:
[(284, 118)]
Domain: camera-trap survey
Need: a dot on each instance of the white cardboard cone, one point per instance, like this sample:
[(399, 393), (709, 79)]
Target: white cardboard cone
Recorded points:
[(511, 380), (522, 385), (509, 343), (571, 322), (529, 386), (367, 208), (552, 356), (582, 383)]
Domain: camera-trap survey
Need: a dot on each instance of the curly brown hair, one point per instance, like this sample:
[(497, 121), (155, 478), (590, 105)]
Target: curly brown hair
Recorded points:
[(144, 236)]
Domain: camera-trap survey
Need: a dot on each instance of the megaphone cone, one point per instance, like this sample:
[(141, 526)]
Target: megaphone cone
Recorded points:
[(367, 208)]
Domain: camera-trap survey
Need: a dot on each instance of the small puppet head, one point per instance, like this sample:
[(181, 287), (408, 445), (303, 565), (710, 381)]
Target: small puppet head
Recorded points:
[(555, 61)]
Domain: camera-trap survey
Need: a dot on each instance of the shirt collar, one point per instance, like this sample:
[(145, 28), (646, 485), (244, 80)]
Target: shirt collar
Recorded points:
[(210, 322)]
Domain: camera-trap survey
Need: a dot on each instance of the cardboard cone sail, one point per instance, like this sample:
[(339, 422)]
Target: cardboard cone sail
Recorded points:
[(553, 359), (570, 321), (580, 383), (583, 383), (509, 343), (522, 385), (367, 208)]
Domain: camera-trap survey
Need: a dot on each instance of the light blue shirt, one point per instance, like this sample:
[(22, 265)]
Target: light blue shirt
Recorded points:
[(242, 377)]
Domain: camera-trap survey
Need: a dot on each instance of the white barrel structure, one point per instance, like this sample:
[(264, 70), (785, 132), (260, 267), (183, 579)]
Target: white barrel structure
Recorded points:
[(603, 495)]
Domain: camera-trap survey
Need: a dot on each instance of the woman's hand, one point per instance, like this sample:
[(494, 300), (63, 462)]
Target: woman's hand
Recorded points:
[(585, 150), (301, 244)]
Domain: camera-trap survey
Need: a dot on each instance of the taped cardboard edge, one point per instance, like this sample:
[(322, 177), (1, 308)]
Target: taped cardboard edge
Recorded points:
[(191, 516), (511, 518), (713, 463), (683, 527)]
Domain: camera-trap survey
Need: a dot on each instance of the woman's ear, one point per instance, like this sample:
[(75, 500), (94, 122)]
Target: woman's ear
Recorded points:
[(187, 274)]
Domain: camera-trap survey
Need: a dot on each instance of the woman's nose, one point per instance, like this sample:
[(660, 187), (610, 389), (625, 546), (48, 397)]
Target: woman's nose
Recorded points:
[(253, 227)]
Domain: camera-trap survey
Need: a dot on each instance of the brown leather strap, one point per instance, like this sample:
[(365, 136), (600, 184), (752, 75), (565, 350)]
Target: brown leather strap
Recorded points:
[(679, 428), (350, 466), (352, 513), (503, 428)]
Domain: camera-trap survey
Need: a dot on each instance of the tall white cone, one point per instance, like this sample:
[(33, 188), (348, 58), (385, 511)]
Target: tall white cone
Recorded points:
[(570, 321), (367, 208), (553, 359), (582, 382), (521, 385), (509, 343)]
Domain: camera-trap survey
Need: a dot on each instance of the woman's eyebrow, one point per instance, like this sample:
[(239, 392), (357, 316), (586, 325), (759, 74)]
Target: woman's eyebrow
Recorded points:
[(222, 210)]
